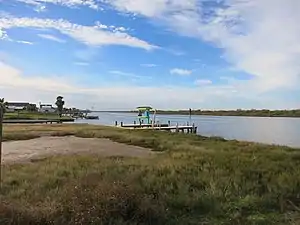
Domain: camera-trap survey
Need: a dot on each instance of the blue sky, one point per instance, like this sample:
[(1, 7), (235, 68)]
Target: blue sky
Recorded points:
[(171, 54)]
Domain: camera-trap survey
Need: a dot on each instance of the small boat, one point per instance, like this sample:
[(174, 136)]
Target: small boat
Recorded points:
[(92, 117)]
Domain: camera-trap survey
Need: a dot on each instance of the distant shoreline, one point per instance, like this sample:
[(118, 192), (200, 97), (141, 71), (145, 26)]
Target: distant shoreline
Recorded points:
[(243, 113)]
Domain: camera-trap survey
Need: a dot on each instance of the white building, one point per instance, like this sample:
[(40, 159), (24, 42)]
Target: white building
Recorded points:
[(47, 108), (15, 106)]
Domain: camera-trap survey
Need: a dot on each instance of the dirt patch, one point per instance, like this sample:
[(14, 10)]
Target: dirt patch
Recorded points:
[(25, 151)]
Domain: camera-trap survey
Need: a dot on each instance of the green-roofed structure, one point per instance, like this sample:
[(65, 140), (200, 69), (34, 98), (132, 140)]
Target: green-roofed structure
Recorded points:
[(144, 113)]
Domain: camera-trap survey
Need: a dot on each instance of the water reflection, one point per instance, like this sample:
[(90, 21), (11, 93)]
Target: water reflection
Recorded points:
[(282, 131)]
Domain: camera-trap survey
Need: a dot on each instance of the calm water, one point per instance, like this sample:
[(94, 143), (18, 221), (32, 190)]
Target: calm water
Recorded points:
[(282, 131)]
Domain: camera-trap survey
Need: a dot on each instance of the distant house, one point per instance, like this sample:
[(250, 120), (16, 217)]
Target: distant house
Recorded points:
[(14, 106), (47, 108)]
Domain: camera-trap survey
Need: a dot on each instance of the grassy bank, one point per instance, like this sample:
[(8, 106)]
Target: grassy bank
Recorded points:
[(196, 180), (23, 115)]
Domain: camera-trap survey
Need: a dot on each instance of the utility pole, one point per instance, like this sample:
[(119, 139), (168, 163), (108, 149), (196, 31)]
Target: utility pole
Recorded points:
[(1, 135)]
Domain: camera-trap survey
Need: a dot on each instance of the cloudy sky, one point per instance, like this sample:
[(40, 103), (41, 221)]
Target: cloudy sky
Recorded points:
[(171, 54)]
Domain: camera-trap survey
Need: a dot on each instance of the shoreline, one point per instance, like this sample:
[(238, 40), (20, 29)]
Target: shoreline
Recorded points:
[(212, 113)]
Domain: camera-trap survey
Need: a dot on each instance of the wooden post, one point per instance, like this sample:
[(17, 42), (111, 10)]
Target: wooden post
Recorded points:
[(177, 128), (1, 136), (169, 123), (121, 124), (116, 123)]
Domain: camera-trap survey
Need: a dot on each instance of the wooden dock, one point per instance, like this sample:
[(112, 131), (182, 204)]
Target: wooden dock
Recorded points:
[(142, 125), (183, 129), (163, 127)]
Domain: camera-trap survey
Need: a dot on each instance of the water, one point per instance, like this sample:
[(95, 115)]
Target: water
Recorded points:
[(281, 131)]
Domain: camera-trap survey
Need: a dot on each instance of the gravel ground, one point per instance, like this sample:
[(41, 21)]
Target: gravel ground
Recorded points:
[(25, 151)]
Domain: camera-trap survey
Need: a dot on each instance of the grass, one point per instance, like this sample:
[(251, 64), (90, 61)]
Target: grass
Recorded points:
[(196, 180), (24, 115)]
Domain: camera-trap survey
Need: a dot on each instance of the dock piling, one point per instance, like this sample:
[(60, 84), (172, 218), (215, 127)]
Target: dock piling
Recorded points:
[(194, 129), (121, 124), (116, 123)]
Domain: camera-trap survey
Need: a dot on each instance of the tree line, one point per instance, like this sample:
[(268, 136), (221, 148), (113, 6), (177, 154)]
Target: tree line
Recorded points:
[(238, 112)]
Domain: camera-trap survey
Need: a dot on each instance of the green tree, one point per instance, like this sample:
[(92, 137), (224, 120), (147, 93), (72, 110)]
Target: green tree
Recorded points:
[(31, 108), (60, 105)]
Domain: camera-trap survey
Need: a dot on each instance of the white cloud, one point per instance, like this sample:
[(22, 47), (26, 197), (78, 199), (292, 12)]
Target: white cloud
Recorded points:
[(15, 86), (3, 34), (154, 8), (81, 63), (182, 72), (122, 29), (40, 8), (86, 54), (51, 37), (25, 42), (100, 25), (175, 51), (258, 37), (149, 65), (12, 77), (69, 3), (203, 82), (90, 36), (126, 74)]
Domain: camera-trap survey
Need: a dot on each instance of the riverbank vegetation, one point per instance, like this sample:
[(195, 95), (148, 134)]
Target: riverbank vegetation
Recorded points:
[(192, 180), (238, 112), (26, 115)]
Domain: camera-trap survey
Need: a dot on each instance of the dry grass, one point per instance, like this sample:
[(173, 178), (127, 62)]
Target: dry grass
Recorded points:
[(196, 181)]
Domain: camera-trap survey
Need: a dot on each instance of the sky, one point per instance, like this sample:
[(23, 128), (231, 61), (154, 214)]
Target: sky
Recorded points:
[(170, 54)]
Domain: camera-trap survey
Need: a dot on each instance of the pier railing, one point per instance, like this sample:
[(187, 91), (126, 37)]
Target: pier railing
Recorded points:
[(187, 128)]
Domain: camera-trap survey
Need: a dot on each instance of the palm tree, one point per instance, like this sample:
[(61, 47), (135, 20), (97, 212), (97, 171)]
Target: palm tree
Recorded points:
[(60, 105)]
